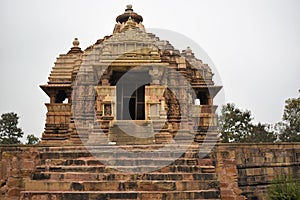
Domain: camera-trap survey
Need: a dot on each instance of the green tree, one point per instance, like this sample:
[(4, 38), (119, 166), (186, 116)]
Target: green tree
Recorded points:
[(289, 128), (31, 139), (9, 131), (262, 133), (234, 124)]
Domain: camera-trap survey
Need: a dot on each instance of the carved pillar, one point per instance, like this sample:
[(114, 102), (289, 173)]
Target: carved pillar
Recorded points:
[(155, 111), (105, 112), (210, 100), (52, 96), (155, 102), (172, 100)]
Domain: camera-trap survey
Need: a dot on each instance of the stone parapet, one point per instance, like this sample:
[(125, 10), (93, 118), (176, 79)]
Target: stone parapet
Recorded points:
[(249, 169)]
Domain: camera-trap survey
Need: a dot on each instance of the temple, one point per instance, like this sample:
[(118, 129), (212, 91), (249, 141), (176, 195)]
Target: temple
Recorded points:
[(133, 118), (130, 81), (129, 117)]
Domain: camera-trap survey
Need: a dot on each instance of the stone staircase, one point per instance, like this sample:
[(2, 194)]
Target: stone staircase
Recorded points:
[(105, 172)]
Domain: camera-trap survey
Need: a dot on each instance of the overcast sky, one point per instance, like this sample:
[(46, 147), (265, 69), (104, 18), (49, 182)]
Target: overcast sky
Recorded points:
[(254, 45)]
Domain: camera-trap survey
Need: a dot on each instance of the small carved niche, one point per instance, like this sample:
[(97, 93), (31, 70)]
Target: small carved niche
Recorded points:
[(107, 109)]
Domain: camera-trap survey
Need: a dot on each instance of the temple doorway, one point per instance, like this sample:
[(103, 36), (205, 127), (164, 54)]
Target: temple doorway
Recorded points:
[(131, 95)]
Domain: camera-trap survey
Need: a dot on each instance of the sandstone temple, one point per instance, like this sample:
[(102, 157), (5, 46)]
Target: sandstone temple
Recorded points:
[(132, 117), (130, 79)]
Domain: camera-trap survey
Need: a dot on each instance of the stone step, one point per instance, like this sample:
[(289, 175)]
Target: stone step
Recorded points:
[(86, 176), (137, 185), (124, 161), (121, 195), (103, 148), (117, 154), (122, 172), (121, 152), (137, 169)]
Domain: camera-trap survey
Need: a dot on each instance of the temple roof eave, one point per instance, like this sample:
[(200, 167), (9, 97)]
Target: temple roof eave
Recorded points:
[(212, 89), (50, 87)]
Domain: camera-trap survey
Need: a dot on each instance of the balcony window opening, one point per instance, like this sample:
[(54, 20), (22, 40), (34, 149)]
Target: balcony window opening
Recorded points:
[(202, 96), (61, 97)]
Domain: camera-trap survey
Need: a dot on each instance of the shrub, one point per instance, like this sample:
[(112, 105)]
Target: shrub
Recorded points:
[(284, 188)]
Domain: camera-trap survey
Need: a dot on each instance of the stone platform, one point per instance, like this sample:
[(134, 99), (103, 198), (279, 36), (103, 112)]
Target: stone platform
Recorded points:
[(231, 171), (72, 172)]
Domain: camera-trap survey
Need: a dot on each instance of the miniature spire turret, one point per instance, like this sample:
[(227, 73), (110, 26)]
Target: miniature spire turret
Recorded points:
[(75, 48)]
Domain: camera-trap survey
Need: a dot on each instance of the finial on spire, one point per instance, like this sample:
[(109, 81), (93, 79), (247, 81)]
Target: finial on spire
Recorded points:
[(129, 13), (129, 7), (76, 42), (188, 50)]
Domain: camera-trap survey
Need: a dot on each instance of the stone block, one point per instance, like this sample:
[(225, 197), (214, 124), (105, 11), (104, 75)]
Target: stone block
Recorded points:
[(40, 197), (14, 182), (14, 192), (3, 170), (28, 165), (75, 196), (152, 196), (77, 186)]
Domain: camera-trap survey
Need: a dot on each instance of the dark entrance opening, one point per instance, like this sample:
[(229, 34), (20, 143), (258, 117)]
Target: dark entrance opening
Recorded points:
[(131, 94)]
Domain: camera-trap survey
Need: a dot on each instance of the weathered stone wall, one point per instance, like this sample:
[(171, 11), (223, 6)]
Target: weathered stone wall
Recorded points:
[(16, 164), (227, 173), (253, 167)]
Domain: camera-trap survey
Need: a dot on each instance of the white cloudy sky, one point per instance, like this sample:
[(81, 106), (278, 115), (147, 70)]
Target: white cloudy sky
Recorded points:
[(254, 44)]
